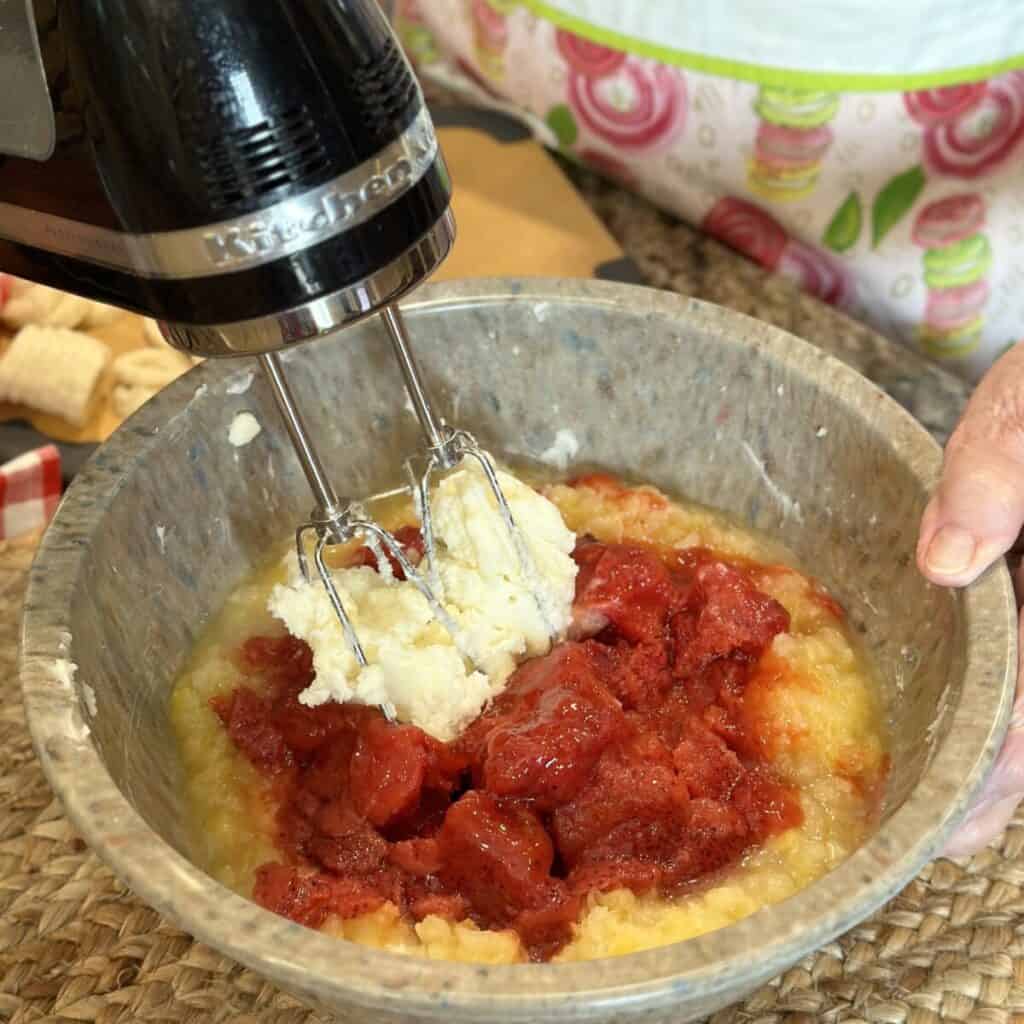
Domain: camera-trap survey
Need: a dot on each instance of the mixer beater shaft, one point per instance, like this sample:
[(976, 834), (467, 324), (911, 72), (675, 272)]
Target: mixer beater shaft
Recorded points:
[(336, 521), (433, 429), (328, 505), (446, 448)]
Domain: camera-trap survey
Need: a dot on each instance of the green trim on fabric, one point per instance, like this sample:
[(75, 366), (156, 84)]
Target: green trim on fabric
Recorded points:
[(763, 74)]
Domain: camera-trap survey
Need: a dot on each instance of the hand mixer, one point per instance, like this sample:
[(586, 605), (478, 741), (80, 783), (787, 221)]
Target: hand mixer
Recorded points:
[(252, 175)]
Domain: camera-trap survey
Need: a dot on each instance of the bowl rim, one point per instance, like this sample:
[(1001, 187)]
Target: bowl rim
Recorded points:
[(334, 972)]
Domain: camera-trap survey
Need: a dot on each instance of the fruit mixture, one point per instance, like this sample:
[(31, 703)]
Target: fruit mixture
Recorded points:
[(645, 763)]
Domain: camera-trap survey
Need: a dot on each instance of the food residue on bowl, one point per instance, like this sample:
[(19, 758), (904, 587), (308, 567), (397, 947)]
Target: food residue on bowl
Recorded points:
[(562, 450), (244, 427), (704, 738)]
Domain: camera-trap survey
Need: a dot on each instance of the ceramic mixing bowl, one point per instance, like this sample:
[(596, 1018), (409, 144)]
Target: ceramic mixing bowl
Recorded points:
[(169, 516)]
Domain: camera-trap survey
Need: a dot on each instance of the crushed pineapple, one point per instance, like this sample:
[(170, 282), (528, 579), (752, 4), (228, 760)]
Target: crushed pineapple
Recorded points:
[(826, 721)]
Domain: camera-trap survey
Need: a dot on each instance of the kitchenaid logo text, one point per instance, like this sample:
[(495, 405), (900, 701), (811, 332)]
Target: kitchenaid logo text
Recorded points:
[(322, 213)]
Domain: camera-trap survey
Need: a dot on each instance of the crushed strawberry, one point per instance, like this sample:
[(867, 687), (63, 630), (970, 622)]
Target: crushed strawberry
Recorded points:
[(411, 542), (725, 617), (629, 587), (389, 764), (247, 718), (622, 760), (545, 747)]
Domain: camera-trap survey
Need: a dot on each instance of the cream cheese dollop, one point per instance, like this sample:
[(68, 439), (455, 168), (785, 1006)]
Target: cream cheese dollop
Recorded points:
[(501, 615)]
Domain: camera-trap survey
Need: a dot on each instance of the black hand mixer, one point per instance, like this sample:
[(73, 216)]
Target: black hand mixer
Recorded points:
[(253, 174)]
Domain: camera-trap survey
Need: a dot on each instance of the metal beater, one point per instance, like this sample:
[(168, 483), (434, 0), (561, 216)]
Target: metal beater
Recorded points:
[(337, 521)]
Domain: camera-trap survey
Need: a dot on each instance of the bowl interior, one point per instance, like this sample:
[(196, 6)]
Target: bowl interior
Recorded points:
[(701, 402)]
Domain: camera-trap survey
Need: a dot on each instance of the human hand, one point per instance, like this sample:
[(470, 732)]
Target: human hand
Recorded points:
[(973, 519)]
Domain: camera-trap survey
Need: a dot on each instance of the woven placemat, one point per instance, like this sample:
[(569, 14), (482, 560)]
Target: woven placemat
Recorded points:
[(76, 946)]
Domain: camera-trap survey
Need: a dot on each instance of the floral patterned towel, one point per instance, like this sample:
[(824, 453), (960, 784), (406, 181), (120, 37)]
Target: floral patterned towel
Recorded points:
[(902, 206)]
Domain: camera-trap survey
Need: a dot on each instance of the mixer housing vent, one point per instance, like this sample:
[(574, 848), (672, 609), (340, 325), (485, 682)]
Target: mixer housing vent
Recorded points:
[(246, 163), (383, 90)]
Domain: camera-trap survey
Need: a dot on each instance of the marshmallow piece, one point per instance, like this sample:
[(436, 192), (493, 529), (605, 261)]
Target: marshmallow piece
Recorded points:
[(31, 303), (54, 370), (126, 400), (150, 367)]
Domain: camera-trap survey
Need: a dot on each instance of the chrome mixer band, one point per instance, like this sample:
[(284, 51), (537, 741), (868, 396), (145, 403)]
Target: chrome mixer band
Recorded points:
[(321, 316), (287, 227)]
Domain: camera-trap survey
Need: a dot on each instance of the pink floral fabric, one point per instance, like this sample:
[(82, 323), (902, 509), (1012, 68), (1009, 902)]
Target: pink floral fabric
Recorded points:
[(904, 209), (981, 131)]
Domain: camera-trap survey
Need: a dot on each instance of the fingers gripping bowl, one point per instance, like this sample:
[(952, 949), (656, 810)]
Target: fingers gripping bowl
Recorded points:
[(171, 515)]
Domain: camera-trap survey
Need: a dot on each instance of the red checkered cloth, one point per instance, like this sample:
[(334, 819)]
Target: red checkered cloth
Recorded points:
[(30, 487)]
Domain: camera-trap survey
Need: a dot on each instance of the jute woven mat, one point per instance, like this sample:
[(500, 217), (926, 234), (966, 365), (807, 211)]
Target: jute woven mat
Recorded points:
[(76, 946)]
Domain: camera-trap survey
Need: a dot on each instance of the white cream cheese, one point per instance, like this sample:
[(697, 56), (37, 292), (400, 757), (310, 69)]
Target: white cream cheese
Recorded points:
[(562, 450), (244, 427), (414, 664)]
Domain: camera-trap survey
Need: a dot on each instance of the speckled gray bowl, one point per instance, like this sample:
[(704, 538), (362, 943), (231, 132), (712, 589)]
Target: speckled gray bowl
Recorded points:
[(169, 516)]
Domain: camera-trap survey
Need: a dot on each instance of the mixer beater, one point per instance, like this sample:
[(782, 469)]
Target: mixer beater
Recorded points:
[(337, 521)]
